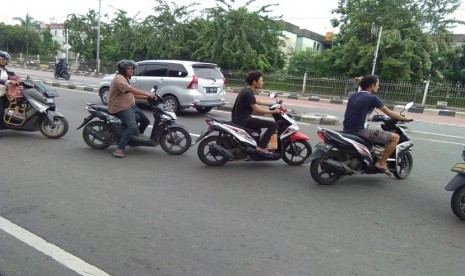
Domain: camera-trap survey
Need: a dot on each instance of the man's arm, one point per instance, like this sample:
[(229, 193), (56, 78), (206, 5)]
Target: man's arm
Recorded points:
[(393, 114)]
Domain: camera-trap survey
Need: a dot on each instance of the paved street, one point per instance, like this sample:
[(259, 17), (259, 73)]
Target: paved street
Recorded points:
[(155, 214)]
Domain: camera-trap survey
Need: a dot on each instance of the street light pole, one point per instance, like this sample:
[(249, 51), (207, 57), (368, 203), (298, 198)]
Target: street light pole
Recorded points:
[(98, 36), (377, 48)]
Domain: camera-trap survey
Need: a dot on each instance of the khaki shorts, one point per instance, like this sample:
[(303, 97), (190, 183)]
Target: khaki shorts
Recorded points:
[(375, 135)]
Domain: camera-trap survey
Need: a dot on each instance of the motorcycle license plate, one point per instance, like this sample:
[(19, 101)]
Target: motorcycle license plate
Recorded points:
[(323, 147), (459, 168)]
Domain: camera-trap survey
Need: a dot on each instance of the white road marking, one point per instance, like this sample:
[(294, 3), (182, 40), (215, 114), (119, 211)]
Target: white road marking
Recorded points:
[(437, 134), (438, 141), (68, 260)]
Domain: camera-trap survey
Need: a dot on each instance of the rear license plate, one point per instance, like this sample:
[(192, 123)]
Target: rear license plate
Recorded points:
[(211, 89), (459, 168), (323, 147)]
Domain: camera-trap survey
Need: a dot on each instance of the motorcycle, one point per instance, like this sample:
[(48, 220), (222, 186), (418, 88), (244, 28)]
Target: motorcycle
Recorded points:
[(342, 154), (106, 129), (61, 74), (457, 185), (32, 107), (236, 143)]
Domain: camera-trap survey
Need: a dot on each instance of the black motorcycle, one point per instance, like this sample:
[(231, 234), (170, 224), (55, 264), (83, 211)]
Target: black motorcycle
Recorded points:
[(342, 154), (34, 109), (457, 185), (106, 130), (59, 73)]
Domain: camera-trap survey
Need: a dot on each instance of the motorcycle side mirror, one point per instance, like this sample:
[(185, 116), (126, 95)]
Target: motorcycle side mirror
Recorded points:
[(408, 106), (154, 89)]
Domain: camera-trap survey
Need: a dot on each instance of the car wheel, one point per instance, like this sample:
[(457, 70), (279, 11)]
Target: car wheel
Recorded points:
[(104, 95), (172, 103)]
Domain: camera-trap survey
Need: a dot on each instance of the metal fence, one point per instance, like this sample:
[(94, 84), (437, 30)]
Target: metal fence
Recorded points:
[(426, 94)]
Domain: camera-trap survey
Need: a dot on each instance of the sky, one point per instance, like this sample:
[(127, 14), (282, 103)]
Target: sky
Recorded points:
[(313, 15)]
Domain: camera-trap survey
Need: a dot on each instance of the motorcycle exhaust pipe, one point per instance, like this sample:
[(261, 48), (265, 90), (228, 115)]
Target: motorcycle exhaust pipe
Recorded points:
[(339, 167), (219, 150)]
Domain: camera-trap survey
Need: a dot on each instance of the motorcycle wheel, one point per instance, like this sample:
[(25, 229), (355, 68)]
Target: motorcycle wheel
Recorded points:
[(296, 153), (207, 157), (457, 202), (175, 140), (55, 131), (323, 174), (67, 76), (56, 76), (404, 165), (93, 141)]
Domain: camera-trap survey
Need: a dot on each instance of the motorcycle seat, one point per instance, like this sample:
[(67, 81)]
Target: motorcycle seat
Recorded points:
[(356, 138), (103, 108)]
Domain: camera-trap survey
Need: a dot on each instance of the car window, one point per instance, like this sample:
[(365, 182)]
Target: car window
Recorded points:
[(207, 73), (177, 70), (155, 70), (138, 70)]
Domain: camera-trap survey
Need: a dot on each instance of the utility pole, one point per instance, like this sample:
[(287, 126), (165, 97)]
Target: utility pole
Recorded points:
[(98, 36), (377, 48)]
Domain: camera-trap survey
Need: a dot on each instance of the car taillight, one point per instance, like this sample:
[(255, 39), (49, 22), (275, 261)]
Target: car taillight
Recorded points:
[(209, 122), (194, 83), (224, 81)]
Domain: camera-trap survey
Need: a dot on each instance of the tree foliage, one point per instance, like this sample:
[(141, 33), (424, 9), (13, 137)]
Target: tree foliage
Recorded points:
[(413, 40)]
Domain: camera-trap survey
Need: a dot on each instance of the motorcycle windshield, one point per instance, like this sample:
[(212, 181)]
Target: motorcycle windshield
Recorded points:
[(44, 89)]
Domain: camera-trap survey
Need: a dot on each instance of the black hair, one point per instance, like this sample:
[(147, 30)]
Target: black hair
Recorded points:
[(367, 81), (253, 76)]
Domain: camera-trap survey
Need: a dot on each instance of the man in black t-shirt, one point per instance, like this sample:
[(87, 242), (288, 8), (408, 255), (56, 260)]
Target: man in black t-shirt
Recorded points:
[(246, 104), (359, 108)]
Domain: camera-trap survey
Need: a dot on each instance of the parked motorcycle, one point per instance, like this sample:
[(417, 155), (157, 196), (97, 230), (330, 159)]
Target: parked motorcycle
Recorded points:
[(457, 185), (33, 108), (236, 143), (106, 129), (342, 154)]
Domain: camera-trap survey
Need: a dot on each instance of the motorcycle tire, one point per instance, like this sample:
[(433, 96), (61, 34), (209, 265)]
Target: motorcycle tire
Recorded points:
[(457, 202), (56, 76), (175, 140), (295, 153), (323, 174), (404, 165), (93, 141), (207, 157), (56, 130), (67, 76)]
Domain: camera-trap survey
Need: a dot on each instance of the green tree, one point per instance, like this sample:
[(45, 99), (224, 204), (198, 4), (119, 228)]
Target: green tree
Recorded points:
[(413, 40), (309, 61), (455, 71), (48, 45), (240, 39)]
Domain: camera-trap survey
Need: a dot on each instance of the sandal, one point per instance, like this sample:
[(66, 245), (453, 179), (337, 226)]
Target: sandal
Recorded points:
[(118, 153), (386, 171)]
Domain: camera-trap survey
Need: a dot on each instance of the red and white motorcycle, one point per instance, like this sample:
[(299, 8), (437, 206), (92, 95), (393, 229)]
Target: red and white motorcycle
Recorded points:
[(231, 142)]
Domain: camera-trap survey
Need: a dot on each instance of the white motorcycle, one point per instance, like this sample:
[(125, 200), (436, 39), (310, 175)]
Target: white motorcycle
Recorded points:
[(236, 143)]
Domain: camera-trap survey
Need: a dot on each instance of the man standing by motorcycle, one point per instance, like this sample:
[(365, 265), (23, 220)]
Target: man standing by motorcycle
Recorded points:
[(5, 80), (246, 104), (356, 117), (121, 103)]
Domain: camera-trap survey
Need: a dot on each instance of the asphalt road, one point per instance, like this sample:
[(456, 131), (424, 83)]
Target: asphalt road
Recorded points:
[(155, 214)]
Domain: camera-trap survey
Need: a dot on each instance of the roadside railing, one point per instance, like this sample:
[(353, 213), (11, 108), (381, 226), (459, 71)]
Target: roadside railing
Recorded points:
[(446, 96)]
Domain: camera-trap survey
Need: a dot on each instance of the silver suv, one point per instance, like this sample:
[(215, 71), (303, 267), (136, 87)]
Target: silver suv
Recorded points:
[(182, 84)]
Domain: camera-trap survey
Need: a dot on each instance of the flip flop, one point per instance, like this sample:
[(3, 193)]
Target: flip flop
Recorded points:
[(118, 154), (386, 171)]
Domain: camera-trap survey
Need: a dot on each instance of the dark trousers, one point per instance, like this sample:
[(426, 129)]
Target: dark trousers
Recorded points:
[(128, 117), (257, 124)]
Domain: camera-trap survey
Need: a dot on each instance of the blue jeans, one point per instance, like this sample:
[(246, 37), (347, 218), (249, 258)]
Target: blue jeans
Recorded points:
[(129, 119)]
